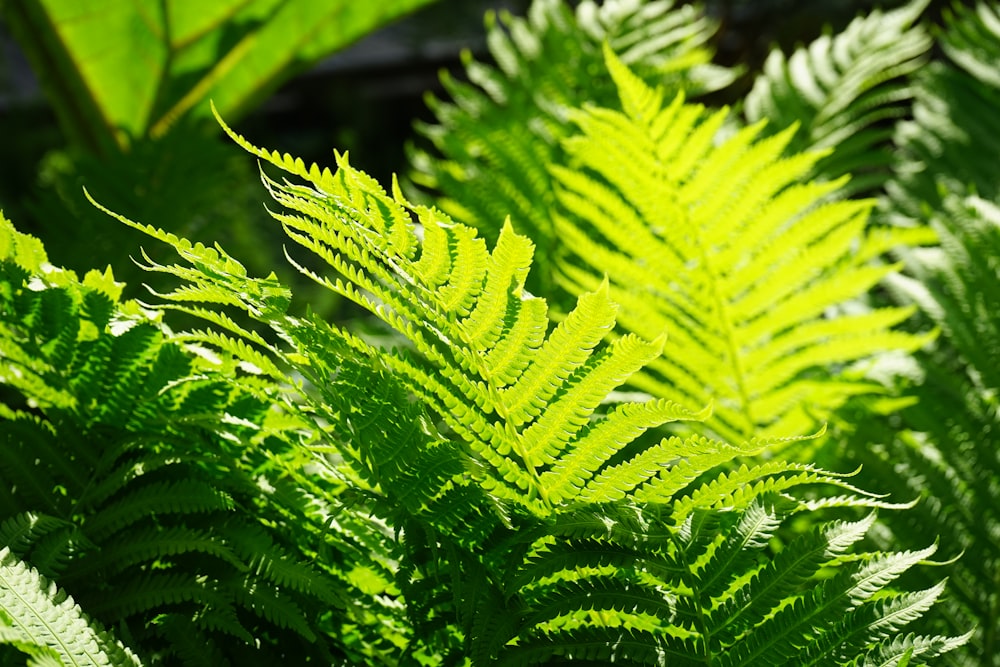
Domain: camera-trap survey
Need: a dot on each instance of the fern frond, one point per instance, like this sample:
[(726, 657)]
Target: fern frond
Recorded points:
[(648, 551), (269, 603), (705, 590), (945, 148), (39, 618), (902, 650), (783, 575), (19, 532), (505, 425), (843, 91), (576, 467), (947, 455), (723, 248), (832, 620), (185, 496), (969, 39), (146, 545), (276, 567), (23, 250), (156, 590)]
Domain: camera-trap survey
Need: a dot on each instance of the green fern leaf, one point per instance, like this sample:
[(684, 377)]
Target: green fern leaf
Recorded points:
[(832, 606), (945, 147), (270, 604), (457, 325), (704, 590), (25, 437), (901, 651), (127, 456), (946, 454), (669, 216), (188, 644), (784, 574), (841, 90), (42, 620), (575, 468), (21, 531), (156, 590), (27, 252), (149, 544), (162, 497), (501, 430)]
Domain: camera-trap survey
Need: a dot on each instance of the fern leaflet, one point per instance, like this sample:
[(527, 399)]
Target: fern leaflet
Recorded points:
[(41, 620)]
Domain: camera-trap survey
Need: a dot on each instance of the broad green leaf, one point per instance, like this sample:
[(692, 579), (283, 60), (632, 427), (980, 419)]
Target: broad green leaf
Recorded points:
[(118, 70)]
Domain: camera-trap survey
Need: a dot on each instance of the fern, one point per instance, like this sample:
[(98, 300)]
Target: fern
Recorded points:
[(473, 306), (544, 526), (42, 621), (651, 202), (144, 477), (947, 453), (471, 487), (843, 92), (946, 145), (611, 219), (712, 613), (944, 447), (509, 120)]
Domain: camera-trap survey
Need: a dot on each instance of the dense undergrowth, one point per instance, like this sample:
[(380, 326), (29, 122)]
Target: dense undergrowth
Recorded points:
[(616, 377)]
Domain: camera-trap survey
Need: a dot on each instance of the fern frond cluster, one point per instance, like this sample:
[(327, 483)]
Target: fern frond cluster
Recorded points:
[(546, 525), (947, 455), (948, 143), (943, 447), (947, 450), (147, 481), (701, 233)]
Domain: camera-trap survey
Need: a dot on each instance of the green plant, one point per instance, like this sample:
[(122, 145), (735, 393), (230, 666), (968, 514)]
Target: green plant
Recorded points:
[(671, 219), (843, 93), (459, 468), (168, 495), (918, 131), (945, 448), (723, 246), (40, 620), (531, 520), (130, 83)]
